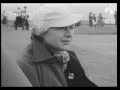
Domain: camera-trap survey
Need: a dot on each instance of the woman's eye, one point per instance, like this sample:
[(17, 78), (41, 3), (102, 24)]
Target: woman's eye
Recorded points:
[(71, 27), (65, 28)]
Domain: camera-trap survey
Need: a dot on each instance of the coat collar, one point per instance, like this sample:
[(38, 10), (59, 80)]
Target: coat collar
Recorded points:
[(40, 52)]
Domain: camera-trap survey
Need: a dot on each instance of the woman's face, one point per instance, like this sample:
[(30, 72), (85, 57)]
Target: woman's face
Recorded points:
[(59, 37)]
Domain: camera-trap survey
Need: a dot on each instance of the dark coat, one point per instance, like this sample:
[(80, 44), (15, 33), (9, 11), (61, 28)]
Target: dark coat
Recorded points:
[(42, 70)]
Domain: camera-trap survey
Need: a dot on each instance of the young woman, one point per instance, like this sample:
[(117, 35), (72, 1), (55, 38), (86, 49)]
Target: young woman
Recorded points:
[(47, 61)]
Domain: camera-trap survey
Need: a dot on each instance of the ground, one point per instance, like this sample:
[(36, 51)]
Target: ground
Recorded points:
[(96, 49)]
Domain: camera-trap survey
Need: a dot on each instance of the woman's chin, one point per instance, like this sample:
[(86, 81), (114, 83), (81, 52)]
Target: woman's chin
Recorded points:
[(65, 47)]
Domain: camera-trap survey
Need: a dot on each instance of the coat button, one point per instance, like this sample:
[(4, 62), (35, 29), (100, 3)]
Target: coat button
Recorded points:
[(71, 76)]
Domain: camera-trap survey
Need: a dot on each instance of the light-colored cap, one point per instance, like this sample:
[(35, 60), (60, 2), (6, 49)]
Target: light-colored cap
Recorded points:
[(53, 15)]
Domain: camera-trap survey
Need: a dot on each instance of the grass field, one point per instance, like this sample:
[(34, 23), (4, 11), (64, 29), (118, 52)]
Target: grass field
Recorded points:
[(96, 49)]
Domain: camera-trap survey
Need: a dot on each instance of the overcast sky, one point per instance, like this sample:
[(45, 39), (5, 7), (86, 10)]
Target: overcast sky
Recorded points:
[(82, 8)]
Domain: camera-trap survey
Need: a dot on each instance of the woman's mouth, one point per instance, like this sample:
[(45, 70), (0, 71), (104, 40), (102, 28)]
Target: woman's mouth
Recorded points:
[(66, 41)]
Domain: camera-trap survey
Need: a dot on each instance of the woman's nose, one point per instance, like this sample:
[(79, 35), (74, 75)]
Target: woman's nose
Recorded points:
[(68, 33)]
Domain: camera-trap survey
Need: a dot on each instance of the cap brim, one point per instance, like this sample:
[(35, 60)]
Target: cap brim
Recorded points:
[(70, 20)]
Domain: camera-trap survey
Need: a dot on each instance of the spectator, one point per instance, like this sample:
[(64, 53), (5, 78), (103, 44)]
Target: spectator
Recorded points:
[(18, 21), (90, 19), (94, 20), (5, 20), (24, 17), (100, 20), (115, 16)]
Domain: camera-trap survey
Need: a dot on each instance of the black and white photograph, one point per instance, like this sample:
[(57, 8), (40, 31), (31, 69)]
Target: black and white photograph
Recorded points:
[(58, 44)]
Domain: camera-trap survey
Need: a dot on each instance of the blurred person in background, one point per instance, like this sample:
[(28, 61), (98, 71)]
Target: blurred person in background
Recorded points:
[(90, 19), (115, 16), (18, 21), (24, 18), (5, 19), (94, 20), (100, 20)]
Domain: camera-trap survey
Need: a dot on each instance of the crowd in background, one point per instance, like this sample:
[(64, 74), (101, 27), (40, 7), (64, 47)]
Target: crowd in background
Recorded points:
[(95, 21), (22, 19)]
